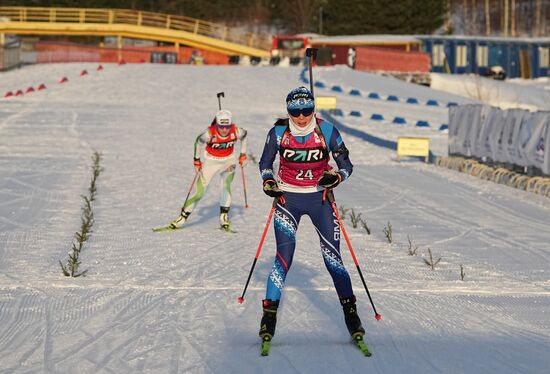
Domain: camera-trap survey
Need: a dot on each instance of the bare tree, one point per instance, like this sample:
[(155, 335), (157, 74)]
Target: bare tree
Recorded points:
[(543, 13), (474, 17), (505, 16), (513, 25), (465, 15), (258, 15), (487, 18), (538, 13), (300, 12)]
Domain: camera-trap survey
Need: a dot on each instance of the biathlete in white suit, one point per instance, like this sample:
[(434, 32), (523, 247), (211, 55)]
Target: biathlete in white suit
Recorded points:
[(219, 148)]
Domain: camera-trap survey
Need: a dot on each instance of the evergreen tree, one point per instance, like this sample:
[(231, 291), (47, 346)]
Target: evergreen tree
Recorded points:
[(340, 17), (383, 17)]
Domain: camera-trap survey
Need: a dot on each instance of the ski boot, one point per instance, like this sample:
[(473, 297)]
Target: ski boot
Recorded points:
[(180, 221), (353, 322), (267, 325), (224, 220)]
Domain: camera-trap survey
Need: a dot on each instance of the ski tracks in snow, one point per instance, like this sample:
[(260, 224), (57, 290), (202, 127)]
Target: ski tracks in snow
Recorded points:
[(167, 303)]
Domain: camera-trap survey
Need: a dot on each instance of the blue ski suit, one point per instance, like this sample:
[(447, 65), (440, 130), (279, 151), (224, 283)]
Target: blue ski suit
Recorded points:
[(299, 201)]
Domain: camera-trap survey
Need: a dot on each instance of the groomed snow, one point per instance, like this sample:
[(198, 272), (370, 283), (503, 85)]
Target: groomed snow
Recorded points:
[(166, 302)]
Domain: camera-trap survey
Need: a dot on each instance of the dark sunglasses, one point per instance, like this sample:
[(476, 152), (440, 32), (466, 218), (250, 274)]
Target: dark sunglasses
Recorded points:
[(304, 111), (224, 127)]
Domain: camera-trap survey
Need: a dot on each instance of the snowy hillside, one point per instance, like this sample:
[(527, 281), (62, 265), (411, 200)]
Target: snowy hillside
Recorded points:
[(167, 302)]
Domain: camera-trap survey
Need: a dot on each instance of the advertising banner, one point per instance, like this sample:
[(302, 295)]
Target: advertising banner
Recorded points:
[(513, 136)]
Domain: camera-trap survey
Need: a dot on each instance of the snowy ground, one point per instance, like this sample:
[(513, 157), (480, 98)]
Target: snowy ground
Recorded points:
[(531, 94), (166, 302)]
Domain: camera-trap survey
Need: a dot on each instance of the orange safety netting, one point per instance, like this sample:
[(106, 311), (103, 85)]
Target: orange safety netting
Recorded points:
[(47, 52), (378, 59)]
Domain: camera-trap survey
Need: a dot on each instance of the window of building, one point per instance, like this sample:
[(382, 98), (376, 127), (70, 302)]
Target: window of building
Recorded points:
[(482, 56), (544, 57), (438, 55), (461, 56)]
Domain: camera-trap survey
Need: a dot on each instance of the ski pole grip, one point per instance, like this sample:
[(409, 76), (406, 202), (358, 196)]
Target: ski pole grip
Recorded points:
[(220, 94), (311, 52), (330, 196)]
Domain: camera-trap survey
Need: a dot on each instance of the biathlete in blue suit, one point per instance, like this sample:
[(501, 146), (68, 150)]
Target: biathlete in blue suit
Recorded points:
[(304, 143)]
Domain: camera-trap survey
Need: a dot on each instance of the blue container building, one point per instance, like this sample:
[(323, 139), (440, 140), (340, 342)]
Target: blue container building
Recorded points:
[(519, 57)]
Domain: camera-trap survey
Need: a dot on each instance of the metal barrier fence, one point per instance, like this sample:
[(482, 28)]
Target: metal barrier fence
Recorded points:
[(515, 137), (10, 55)]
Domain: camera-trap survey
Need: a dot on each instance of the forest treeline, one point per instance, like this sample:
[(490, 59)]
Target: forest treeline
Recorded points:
[(347, 17)]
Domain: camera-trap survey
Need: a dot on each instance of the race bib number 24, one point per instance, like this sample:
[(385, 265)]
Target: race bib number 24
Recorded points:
[(304, 174)]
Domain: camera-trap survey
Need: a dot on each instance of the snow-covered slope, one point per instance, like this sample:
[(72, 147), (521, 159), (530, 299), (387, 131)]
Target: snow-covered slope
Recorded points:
[(503, 94), (166, 302)]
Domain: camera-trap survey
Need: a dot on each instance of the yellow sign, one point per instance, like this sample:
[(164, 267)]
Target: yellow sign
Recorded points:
[(325, 102), (409, 146)]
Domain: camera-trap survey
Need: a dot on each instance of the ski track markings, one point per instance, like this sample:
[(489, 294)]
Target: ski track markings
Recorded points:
[(167, 303)]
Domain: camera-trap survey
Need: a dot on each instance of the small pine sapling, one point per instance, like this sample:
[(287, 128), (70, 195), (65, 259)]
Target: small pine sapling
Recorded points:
[(412, 251), (86, 222), (96, 170), (354, 218), (343, 212), (388, 232), (432, 263), (365, 226)]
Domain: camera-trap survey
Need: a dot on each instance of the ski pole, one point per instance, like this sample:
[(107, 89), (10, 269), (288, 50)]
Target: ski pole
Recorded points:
[(191, 188), (331, 200), (220, 94), (312, 54), (240, 299), (244, 188)]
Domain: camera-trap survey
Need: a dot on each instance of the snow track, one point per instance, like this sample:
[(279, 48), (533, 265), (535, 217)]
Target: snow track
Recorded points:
[(166, 302)]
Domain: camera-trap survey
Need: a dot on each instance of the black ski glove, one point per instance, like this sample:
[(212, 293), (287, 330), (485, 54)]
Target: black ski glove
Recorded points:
[(330, 179), (272, 189)]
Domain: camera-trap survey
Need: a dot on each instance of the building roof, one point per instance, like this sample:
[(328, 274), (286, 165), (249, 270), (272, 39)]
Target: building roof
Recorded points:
[(366, 39), (485, 38), (413, 39)]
